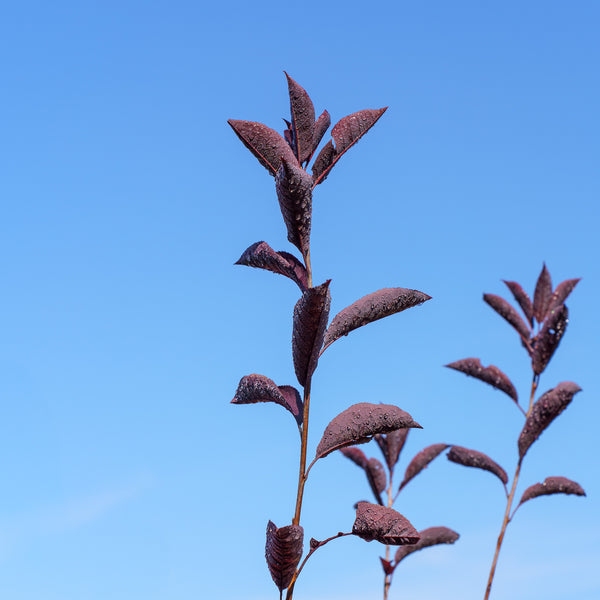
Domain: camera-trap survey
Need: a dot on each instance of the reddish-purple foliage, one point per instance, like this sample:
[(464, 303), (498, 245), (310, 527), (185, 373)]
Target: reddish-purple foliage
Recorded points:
[(479, 460), (522, 297), (374, 522), (359, 423), (391, 445), (552, 485), (303, 121), (544, 411), (492, 375), (542, 295), (310, 320), (432, 536), (546, 342), (421, 460), (283, 552)]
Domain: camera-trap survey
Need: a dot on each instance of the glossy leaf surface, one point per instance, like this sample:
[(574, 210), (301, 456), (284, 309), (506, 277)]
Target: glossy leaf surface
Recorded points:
[(506, 311), (359, 423), (377, 478), (391, 445), (522, 297), (492, 375), (544, 411), (421, 460), (303, 120), (258, 388), (356, 455), (547, 340), (309, 322), (265, 143), (345, 134), (261, 256), (432, 536), (552, 485), (542, 295), (283, 552), (374, 522), (479, 460), (372, 307)]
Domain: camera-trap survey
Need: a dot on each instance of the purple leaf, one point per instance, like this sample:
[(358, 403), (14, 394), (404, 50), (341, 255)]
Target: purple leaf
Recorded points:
[(258, 388), (542, 295), (391, 445), (359, 423), (376, 476), (421, 460), (372, 307), (294, 192), (261, 256), (345, 134), (506, 311), (544, 411), (552, 485), (265, 143), (547, 340), (303, 120), (383, 524), (492, 375), (388, 568), (522, 298), (472, 458), (321, 126), (431, 536), (562, 292), (283, 552), (356, 455), (310, 320)]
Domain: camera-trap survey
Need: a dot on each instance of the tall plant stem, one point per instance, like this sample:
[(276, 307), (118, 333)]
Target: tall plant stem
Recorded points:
[(509, 502), (305, 414), (302, 470), (387, 582)]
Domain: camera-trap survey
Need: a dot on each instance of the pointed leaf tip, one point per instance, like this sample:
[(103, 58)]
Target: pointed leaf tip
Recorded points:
[(359, 423), (479, 460), (542, 295), (370, 308), (544, 411), (491, 375), (422, 460), (387, 526), (265, 143), (432, 536), (552, 485), (303, 120), (309, 322)]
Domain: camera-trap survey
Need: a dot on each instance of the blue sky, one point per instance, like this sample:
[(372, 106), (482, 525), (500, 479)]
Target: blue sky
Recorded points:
[(126, 328)]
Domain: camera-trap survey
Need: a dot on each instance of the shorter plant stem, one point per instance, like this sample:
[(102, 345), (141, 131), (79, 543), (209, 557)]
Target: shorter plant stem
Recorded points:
[(290, 590), (509, 501), (387, 581)]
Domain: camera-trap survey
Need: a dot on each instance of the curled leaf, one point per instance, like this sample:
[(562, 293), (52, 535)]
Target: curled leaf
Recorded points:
[(372, 307), (261, 256), (421, 460), (309, 322), (303, 120), (479, 460), (294, 192), (522, 298), (506, 311), (552, 485), (359, 423), (542, 295), (356, 455), (432, 536), (492, 375), (283, 552), (265, 143), (374, 522), (544, 411), (546, 342), (258, 388), (388, 568), (391, 445), (345, 134), (376, 477)]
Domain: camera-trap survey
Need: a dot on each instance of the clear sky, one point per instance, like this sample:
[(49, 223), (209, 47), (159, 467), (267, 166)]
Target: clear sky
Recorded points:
[(125, 327)]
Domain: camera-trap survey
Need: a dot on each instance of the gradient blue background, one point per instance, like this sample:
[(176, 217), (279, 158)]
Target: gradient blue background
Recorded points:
[(125, 327)]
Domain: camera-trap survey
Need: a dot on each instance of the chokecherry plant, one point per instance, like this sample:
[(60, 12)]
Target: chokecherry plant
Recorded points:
[(391, 446), (286, 158), (545, 323)]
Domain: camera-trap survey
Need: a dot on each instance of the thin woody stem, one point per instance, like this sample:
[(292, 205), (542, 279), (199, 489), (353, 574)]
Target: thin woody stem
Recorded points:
[(387, 581), (509, 502)]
